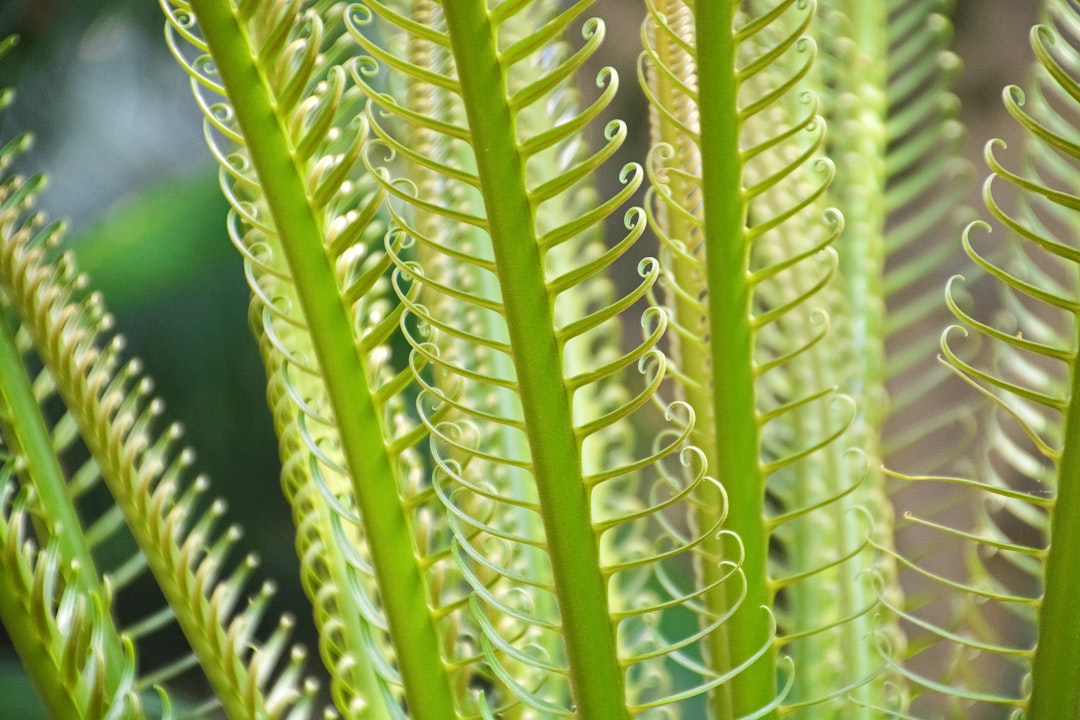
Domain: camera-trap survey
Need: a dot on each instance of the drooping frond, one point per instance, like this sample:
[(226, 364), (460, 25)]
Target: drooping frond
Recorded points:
[(62, 333), (1025, 491), (737, 201), (570, 540)]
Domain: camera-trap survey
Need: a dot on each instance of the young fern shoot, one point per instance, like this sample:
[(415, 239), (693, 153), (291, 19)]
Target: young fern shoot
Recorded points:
[(533, 554), (737, 192), (569, 540)]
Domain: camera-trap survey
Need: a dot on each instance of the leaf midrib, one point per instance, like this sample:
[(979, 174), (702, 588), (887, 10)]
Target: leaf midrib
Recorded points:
[(1055, 669), (402, 588), (580, 587), (35, 447), (735, 433)]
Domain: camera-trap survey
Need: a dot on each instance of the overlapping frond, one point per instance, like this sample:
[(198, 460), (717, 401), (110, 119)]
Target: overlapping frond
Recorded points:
[(1024, 487), (901, 183), (570, 539), (738, 183), (375, 558), (898, 143), (924, 201), (109, 430)]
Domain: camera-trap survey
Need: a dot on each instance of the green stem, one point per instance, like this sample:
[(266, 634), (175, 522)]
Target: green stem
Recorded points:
[(860, 142), (731, 338), (580, 588), (29, 437), (1055, 671), (686, 309), (402, 588)]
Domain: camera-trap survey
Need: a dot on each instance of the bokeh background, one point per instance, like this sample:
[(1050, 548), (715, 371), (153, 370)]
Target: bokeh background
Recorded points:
[(121, 140)]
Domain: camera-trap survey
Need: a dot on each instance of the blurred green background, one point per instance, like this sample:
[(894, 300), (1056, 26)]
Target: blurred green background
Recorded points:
[(123, 145)]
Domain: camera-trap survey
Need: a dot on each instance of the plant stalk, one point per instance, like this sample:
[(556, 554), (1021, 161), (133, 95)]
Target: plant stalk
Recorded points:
[(732, 342), (1055, 669), (581, 590), (402, 587), (31, 440)]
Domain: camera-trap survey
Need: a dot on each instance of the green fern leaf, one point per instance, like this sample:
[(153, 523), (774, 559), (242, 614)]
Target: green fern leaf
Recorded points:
[(283, 122), (509, 313), (56, 626), (28, 436), (1024, 493), (737, 200)]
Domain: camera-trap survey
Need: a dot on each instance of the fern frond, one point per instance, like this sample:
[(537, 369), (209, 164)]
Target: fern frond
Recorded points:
[(924, 202), (283, 120), (29, 436), (109, 409), (737, 201), (895, 141), (1025, 493), (512, 325), (901, 182)]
